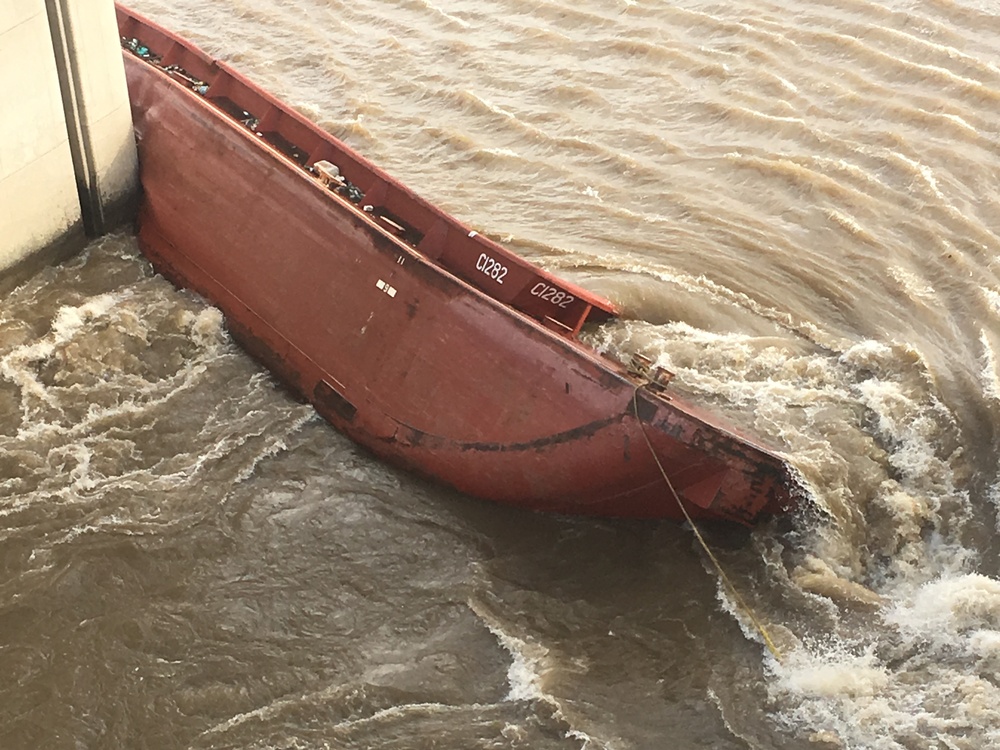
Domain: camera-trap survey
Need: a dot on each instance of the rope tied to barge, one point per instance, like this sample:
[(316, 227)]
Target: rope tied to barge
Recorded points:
[(727, 582)]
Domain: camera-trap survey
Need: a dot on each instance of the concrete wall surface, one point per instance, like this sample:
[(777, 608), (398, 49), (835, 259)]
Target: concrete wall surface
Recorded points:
[(67, 151)]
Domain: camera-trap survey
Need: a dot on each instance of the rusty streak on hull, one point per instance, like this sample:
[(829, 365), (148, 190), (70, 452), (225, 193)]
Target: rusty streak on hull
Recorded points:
[(388, 323)]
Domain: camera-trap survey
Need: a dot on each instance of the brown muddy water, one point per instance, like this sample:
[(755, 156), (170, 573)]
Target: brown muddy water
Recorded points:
[(797, 205)]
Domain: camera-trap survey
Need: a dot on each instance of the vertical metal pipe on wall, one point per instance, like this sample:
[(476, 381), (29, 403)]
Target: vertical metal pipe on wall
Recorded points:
[(74, 108)]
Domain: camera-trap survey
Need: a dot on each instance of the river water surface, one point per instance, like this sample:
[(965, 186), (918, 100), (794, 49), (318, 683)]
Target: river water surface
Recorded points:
[(796, 203)]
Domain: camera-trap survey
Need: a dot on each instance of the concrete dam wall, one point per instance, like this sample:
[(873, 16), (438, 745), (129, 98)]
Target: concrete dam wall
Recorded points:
[(67, 151)]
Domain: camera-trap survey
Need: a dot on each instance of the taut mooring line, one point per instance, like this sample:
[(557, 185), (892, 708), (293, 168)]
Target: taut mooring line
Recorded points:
[(701, 540)]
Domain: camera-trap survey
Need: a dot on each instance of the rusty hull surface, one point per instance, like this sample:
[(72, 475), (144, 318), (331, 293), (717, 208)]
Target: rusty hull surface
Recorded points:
[(430, 370)]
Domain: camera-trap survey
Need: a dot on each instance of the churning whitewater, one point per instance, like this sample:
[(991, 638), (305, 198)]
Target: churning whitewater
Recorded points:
[(798, 206)]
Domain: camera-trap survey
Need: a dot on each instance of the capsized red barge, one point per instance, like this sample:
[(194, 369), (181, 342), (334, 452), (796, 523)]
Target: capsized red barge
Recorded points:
[(433, 346)]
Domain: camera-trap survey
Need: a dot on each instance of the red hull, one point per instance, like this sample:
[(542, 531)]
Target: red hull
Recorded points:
[(375, 315)]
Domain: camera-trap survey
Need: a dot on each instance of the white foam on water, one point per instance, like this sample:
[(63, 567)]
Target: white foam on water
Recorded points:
[(905, 655), (527, 665), (113, 522), (501, 151), (990, 373), (992, 298), (526, 675), (929, 678), (90, 387), (957, 603), (916, 289), (490, 106), (835, 674), (276, 443), (274, 710), (447, 16), (139, 396), (787, 85), (958, 121), (80, 476), (69, 320), (16, 365), (206, 326), (850, 224)]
